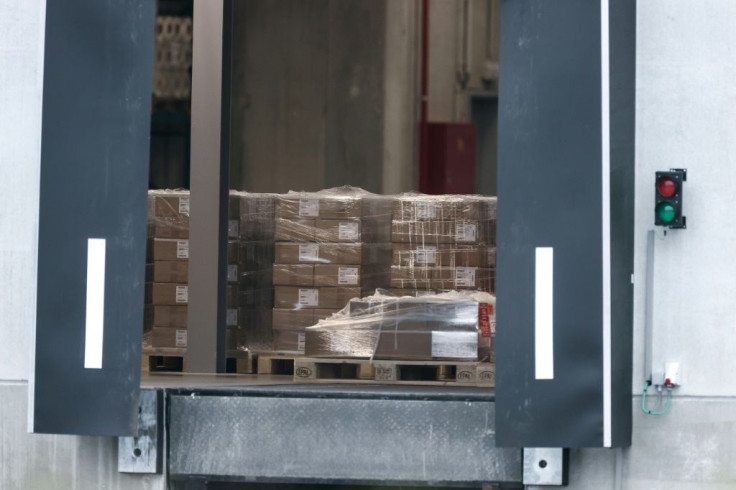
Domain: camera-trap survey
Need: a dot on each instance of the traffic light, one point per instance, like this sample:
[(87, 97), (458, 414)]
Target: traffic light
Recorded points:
[(668, 198)]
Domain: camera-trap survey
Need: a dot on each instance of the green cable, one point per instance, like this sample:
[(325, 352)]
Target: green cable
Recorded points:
[(655, 412)]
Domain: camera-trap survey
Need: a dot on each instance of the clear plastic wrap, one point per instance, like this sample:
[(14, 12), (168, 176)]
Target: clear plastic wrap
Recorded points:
[(331, 246), (453, 325), (444, 242), (249, 270)]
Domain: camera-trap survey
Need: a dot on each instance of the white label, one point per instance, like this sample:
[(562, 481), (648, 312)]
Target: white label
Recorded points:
[(95, 314), (308, 297), (426, 292), (231, 317), (425, 210), (232, 273), (184, 205), (308, 252), (348, 231), (465, 277), (347, 276), (466, 232), (181, 338), (309, 207), (182, 294), (182, 249), (233, 228), (426, 255), (544, 360), (300, 341), (458, 345)]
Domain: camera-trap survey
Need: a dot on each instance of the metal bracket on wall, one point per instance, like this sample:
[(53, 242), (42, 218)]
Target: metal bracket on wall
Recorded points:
[(545, 466), (143, 453)]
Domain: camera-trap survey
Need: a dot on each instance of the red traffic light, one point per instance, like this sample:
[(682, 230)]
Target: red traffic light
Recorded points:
[(666, 186)]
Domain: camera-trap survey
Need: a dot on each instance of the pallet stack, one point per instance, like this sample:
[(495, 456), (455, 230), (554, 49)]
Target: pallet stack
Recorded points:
[(331, 246), (167, 270), (443, 243)]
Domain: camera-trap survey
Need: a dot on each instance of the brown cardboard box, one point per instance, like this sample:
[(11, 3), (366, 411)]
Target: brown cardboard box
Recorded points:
[(168, 271), (295, 230), (310, 206), (437, 232), (330, 253), (288, 340), (415, 293), (233, 251), (168, 204), (158, 293), (165, 316), (232, 294), (293, 275), (412, 345), (323, 297), (293, 319), (162, 337), (337, 275), (440, 255), (167, 249), (410, 277), (169, 228), (338, 230), (436, 208)]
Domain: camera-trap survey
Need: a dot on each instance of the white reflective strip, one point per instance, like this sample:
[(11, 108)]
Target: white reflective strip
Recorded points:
[(606, 220), (543, 326), (95, 303)]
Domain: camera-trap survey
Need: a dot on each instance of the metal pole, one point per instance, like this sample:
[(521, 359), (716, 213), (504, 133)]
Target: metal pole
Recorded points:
[(209, 186), (649, 308)]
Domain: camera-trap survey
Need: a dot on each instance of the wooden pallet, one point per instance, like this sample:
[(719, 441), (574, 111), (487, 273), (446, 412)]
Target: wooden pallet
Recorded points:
[(175, 360), (316, 370), (281, 362)]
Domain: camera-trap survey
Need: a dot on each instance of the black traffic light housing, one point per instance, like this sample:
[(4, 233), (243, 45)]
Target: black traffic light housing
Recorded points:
[(668, 198)]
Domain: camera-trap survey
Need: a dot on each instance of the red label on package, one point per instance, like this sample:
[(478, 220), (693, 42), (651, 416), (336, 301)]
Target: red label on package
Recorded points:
[(484, 319)]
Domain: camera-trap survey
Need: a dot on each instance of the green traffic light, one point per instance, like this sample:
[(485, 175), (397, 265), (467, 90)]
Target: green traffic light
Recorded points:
[(665, 212)]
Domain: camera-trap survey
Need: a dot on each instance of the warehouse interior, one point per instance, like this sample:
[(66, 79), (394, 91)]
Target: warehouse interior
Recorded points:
[(327, 93)]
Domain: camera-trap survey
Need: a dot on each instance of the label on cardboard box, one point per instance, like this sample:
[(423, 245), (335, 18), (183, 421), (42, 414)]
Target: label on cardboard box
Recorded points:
[(425, 210), (300, 343), (182, 294), (182, 249), (465, 277), (232, 273), (348, 231), (466, 232), (181, 338), (462, 345), (347, 276), (426, 255), (308, 297), (308, 252), (231, 317), (233, 228), (184, 205), (484, 319), (309, 208)]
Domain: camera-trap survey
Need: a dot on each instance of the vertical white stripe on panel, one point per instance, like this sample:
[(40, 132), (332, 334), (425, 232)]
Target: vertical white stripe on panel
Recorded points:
[(94, 325), (543, 314)]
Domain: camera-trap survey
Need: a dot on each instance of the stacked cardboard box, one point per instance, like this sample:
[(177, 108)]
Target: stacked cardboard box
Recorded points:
[(331, 246), (443, 326), (167, 269), (443, 243), (255, 213)]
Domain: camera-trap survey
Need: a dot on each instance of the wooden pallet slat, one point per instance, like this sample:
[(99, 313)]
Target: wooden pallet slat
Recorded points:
[(175, 360), (316, 370)]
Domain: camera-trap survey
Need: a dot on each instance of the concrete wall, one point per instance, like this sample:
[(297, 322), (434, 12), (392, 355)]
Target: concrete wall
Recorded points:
[(685, 118), (29, 461), (308, 92)]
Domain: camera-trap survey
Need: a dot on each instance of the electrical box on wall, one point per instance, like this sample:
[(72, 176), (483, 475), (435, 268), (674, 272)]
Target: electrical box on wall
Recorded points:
[(451, 157), (565, 223)]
